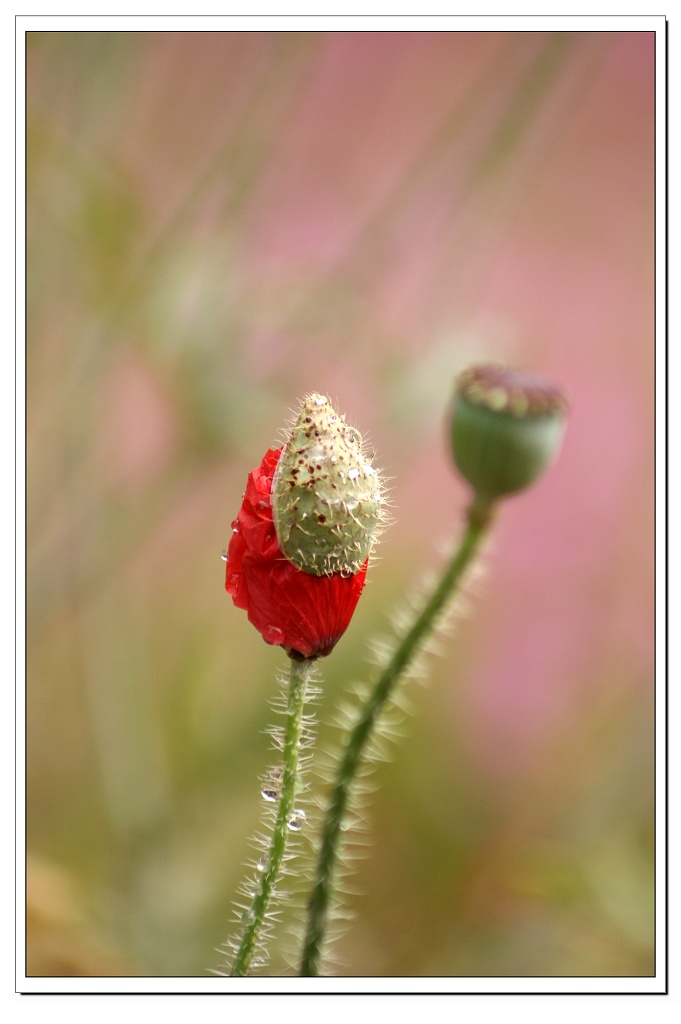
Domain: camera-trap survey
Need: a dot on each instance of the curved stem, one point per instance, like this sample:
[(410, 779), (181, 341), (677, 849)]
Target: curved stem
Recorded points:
[(478, 522), (254, 916)]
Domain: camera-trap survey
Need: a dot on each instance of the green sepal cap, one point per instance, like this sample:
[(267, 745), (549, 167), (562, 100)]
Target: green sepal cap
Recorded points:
[(507, 428), (327, 498)]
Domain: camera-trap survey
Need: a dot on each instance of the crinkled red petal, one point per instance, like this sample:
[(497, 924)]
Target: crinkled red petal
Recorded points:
[(290, 608)]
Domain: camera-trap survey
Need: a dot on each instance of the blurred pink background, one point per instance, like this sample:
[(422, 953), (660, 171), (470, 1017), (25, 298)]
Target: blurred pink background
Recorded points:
[(219, 223)]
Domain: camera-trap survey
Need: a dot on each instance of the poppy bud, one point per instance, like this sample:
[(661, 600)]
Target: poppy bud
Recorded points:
[(298, 556), (326, 495), (507, 428)]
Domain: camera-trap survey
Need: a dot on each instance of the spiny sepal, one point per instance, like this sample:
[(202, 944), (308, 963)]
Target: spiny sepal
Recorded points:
[(327, 498)]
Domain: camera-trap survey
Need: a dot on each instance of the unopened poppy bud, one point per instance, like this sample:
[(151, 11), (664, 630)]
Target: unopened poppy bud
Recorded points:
[(326, 496), (507, 428)]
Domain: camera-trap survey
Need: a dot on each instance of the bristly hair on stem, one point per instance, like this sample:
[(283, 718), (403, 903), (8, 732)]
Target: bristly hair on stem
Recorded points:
[(361, 748), (284, 818)]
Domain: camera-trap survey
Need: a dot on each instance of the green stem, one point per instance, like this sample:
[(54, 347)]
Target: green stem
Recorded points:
[(254, 917), (478, 522)]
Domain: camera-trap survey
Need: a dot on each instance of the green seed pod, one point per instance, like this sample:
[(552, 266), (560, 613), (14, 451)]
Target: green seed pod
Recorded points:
[(327, 499), (507, 428)]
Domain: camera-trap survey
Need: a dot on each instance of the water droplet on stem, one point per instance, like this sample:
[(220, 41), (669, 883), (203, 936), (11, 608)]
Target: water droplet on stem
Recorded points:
[(296, 820)]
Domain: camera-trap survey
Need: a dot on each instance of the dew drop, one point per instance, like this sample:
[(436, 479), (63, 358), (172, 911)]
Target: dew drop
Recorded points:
[(353, 473), (296, 820), (223, 556), (272, 784), (235, 526), (262, 864), (262, 507), (273, 635)]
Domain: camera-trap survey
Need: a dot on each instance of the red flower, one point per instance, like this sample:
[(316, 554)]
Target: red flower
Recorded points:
[(303, 613)]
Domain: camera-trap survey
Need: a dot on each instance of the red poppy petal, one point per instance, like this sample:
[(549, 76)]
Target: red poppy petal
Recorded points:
[(290, 608)]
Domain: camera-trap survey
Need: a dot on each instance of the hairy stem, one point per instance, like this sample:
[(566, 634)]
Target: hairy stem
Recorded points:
[(478, 522), (254, 916)]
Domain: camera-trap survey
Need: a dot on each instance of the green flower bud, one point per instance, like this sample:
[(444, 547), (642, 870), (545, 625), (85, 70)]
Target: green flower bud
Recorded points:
[(507, 428), (327, 499)]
